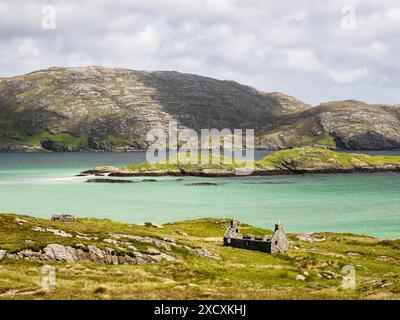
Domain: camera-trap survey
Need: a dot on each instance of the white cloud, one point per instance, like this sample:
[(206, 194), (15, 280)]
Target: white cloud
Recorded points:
[(348, 76), (298, 16), (393, 15), (377, 49), (303, 60), (26, 48), (297, 47)]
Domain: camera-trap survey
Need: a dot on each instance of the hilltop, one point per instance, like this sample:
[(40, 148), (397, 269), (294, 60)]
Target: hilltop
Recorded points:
[(97, 108)]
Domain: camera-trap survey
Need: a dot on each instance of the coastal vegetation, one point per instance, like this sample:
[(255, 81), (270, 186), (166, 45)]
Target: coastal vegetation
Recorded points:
[(312, 268), (293, 161), (310, 157)]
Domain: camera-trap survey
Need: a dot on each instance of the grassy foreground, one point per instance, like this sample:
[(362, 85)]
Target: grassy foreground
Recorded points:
[(238, 274)]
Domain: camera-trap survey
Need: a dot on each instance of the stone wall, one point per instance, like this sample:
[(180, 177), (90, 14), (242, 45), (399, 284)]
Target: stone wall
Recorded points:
[(278, 242)]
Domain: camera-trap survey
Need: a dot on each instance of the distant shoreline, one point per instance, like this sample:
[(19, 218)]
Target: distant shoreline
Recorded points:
[(222, 174), (29, 150), (303, 160)]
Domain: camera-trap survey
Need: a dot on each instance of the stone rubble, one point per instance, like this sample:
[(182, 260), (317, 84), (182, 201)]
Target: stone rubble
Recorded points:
[(15, 292), (309, 237), (159, 243), (57, 232), (2, 254), (300, 277), (21, 221)]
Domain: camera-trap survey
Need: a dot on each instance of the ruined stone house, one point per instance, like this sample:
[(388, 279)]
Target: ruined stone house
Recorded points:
[(277, 243)]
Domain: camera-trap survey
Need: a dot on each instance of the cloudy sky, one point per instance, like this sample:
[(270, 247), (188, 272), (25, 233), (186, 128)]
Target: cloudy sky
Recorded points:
[(314, 50)]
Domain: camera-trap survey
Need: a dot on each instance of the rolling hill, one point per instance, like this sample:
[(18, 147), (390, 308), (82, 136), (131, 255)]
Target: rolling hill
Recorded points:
[(97, 108)]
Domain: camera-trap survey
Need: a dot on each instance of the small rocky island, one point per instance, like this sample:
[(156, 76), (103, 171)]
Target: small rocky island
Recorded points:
[(294, 161)]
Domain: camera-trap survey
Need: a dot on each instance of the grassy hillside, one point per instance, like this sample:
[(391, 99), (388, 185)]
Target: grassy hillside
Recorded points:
[(96, 108), (310, 157), (237, 274), (115, 108), (303, 159)]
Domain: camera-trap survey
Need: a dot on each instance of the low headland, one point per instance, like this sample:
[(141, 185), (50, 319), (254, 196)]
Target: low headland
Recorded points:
[(294, 161), (104, 259)]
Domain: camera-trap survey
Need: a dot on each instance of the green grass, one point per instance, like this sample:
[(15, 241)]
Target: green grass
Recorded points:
[(239, 274), (210, 227), (62, 139), (326, 140), (191, 161), (302, 158), (306, 157), (117, 141)]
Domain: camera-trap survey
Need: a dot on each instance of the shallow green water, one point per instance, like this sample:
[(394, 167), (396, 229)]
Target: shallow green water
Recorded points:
[(44, 184)]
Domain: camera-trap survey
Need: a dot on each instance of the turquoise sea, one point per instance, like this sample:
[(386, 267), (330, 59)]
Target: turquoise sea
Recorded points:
[(42, 184)]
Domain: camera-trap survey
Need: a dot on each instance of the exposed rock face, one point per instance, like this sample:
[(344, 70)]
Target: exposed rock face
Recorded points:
[(300, 277), (112, 109), (356, 125), (57, 232), (115, 248), (60, 253), (203, 252), (309, 237), (119, 250), (2, 254), (97, 180), (340, 124), (96, 108)]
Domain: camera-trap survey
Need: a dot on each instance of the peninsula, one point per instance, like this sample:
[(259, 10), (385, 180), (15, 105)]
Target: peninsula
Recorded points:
[(294, 161)]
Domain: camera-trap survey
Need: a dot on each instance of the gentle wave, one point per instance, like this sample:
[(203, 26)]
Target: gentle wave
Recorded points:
[(43, 180)]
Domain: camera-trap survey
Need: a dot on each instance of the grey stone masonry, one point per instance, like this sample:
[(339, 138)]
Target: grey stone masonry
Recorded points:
[(63, 218), (277, 243)]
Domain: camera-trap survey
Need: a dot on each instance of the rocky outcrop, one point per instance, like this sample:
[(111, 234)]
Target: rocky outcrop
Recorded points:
[(119, 248), (286, 169), (309, 237), (2, 254), (357, 125), (96, 108), (195, 184), (296, 161), (57, 232), (60, 253), (345, 124), (103, 180), (205, 253)]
